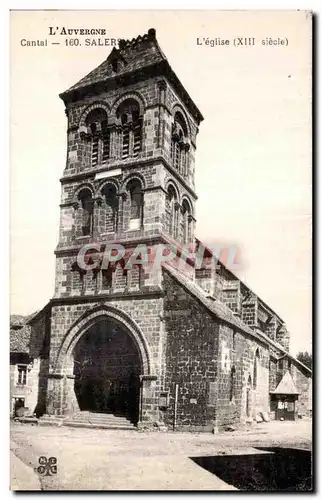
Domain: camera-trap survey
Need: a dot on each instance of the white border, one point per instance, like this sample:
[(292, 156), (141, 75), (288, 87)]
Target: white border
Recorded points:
[(314, 5)]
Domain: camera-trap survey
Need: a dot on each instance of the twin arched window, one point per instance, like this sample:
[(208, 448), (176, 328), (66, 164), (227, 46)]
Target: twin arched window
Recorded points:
[(179, 145), (128, 113), (127, 140), (176, 229), (98, 131), (107, 209)]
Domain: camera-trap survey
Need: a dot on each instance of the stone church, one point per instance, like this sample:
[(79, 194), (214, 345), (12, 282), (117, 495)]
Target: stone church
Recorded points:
[(180, 347)]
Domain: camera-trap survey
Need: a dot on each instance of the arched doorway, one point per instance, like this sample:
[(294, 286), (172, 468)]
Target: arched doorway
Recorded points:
[(107, 369)]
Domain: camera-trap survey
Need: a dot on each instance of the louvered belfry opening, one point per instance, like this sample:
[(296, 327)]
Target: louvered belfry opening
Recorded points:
[(180, 145), (131, 125), (99, 135), (105, 142), (95, 141)]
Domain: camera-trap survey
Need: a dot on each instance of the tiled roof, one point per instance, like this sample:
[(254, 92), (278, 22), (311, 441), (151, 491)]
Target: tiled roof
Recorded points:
[(16, 320), (286, 385), (133, 55), (19, 333)]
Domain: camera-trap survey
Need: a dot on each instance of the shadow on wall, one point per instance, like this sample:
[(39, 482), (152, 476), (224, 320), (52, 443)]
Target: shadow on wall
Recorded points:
[(281, 469)]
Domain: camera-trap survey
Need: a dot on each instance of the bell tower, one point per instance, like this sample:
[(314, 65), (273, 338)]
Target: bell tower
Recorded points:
[(129, 175)]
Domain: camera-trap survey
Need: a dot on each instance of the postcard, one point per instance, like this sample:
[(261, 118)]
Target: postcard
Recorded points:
[(161, 214)]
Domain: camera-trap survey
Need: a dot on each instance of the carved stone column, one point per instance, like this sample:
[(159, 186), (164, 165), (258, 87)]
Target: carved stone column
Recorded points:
[(162, 86), (176, 231), (122, 197)]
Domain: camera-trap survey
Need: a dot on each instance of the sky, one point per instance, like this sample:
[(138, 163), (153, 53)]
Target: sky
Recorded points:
[(253, 160)]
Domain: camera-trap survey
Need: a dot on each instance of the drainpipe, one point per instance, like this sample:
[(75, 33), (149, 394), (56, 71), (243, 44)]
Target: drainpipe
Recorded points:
[(175, 406)]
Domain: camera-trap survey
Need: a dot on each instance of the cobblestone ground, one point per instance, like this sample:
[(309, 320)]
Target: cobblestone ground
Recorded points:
[(266, 456)]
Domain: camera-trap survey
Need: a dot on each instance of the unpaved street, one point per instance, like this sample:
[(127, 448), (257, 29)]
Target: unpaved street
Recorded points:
[(272, 456)]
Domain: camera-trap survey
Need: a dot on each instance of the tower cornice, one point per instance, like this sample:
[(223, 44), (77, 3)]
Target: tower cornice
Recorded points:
[(82, 176), (161, 68)]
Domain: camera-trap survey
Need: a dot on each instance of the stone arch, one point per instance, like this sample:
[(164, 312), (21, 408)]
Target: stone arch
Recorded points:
[(186, 199), (80, 188), (136, 96), (178, 108), (88, 319), (130, 178), (86, 112), (171, 184), (104, 182)]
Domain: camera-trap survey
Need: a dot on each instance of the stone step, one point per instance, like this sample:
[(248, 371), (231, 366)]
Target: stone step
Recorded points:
[(98, 418), (119, 427), (98, 415), (99, 421)]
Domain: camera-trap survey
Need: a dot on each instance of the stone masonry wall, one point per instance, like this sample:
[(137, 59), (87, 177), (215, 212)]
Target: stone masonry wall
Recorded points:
[(303, 383), (191, 358), (29, 391), (238, 351), (200, 354)]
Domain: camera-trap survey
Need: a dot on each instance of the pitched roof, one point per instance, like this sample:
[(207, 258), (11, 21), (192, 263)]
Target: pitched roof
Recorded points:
[(19, 333), (218, 308), (209, 252), (224, 313), (133, 56), (16, 320), (286, 385)]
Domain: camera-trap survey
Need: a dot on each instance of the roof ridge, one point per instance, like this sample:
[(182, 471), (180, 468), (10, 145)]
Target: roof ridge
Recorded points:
[(223, 311), (286, 385), (129, 44)]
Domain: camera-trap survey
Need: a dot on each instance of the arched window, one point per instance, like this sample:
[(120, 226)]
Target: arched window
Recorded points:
[(111, 204), (179, 145), (186, 222), (136, 207), (86, 210), (256, 369), (130, 119), (171, 212), (232, 388), (99, 134)]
